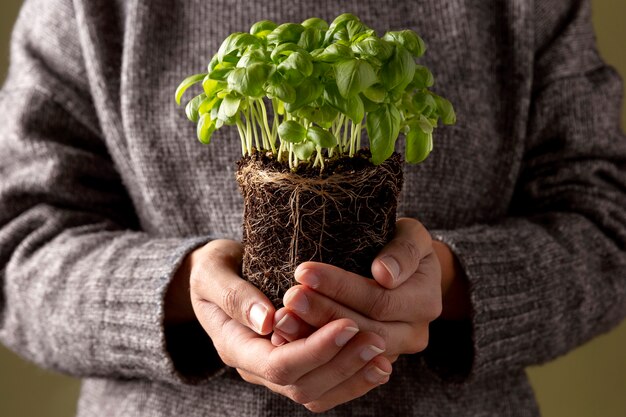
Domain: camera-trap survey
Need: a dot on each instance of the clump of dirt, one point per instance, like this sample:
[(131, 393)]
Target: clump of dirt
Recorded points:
[(342, 216)]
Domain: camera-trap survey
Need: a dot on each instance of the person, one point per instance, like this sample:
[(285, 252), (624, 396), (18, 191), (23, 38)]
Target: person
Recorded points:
[(119, 233)]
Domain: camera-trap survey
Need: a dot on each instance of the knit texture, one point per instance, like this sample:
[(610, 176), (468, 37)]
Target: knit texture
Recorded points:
[(104, 190)]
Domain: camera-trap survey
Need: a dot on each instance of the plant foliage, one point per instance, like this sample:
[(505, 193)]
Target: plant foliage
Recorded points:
[(324, 84)]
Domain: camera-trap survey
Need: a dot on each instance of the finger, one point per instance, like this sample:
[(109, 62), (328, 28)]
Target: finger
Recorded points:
[(217, 281), (290, 327), (368, 378), (358, 352), (278, 340), (289, 362), (317, 309), (364, 295), (400, 258), (237, 345)]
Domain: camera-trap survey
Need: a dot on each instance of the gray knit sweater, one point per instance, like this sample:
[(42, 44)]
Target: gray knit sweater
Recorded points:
[(103, 190)]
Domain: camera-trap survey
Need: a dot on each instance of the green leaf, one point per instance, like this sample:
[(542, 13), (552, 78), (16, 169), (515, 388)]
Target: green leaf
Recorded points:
[(205, 129), (418, 144), (342, 20), (322, 70), (423, 78), (229, 106), (308, 91), (185, 84), (323, 116), (339, 25), (278, 88), (221, 71), (212, 87), (310, 39), (253, 56), (191, 110), (297, 66), (304, 150), (375, 93), (333, 53), (424, 103), (445, 110), (351, 107), (208, 104), (368, 104), (284, 50), (262, 26), (215, 108), (321, 137), (249, 81), (383, 128), (340, 35), (408, 39), (315, 23), (287, 32), (398, 72), (424, 124), (356, 28), (236, 41), (291, 131), (373, 46), (354, 76)]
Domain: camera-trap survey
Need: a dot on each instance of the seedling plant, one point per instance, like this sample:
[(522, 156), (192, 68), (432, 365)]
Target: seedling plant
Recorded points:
[(305, 92)]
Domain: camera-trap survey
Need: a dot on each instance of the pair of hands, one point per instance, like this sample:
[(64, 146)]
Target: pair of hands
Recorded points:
[(338, 334)]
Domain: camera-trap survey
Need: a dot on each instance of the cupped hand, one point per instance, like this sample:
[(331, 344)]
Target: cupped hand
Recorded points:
[(398, 304), (330, 366)]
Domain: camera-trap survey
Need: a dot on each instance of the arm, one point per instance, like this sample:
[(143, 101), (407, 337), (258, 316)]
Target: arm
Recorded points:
[(551, 276), (81, 287), (548, 277)]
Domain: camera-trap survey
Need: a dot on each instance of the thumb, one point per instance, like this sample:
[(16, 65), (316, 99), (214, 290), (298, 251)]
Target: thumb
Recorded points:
[(215, 279), (400, 258)]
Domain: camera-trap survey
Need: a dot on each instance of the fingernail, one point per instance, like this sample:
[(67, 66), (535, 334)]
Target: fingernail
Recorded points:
[(297, 301), (369, 352), (345, 335), (258, 314), (375, 375), (391, 265), (308, 278), (288, 325)]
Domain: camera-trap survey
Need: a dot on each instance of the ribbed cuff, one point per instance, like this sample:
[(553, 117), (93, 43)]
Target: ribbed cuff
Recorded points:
[(133, 334), (508, 269)]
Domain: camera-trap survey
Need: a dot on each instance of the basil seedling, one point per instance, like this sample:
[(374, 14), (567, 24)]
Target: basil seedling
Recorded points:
[(324, 83)]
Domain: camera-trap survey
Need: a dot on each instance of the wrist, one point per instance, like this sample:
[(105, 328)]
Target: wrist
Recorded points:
[(454, 284), (177, 302)]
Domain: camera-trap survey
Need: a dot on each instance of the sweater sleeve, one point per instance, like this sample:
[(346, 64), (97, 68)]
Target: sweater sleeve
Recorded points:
[(81, 286), (551, 275)]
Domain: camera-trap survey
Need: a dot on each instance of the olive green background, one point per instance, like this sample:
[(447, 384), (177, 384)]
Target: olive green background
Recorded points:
[(591, 381)]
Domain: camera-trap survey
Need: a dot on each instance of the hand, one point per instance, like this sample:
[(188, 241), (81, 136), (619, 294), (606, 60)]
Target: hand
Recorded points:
[(401, 301), (333, 365)]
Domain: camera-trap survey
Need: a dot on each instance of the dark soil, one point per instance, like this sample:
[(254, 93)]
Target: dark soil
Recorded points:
[(343, 216)]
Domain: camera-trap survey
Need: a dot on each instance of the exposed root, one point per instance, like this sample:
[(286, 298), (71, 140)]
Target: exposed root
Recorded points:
[(343, 219)]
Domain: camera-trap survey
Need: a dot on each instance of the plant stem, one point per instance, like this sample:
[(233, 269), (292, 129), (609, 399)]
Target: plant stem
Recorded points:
[(254, 123), (248, 132), (242, 135), (270, 139), (352, 139), (337, 124), (345, 135)]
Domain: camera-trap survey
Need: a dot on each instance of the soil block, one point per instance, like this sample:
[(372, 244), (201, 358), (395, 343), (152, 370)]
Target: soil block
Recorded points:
[(342, 216)]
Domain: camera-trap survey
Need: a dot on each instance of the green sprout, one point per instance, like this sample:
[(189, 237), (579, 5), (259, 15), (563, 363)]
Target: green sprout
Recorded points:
[(324, 84)]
